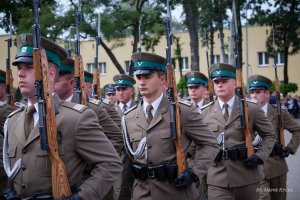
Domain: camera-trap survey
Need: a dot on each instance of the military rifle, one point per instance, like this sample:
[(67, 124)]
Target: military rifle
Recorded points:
[(47, 120), (9, 79), (78, 68), (278, 101), (240, 90), (173, 99), (96, 75), (209, 81)]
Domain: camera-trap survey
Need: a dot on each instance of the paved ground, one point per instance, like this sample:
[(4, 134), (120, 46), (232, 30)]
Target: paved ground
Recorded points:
[(293, 177)]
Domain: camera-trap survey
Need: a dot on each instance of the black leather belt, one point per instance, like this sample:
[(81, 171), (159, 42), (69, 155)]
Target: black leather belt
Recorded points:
[(160, 172), (234, 153)]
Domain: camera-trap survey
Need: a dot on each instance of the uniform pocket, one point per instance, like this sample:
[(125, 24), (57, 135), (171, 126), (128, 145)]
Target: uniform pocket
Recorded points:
[(166, 143), (12, 151), (43, 164), (135, 139)]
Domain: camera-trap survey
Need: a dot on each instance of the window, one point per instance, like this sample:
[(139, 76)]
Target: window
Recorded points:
[(101, 65), (185, 63), (280, 58), (127, 66), (263, 59), (216, 59)]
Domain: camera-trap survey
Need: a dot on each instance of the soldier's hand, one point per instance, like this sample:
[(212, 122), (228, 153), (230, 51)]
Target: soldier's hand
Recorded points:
[(74, 196), (286, 152), (253, 161), (185, 179)]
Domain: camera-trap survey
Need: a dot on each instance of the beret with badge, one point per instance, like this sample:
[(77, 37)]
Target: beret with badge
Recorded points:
[(222, 71), (123, 80), (196, 78), (54, 52), (147, 63), (258, 82)]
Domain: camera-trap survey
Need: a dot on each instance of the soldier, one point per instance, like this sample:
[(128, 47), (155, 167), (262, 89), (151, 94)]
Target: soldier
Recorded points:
[(148, 139), (64, 87), (275, 168), (233, 175), (5, 110), (124, 85), (81, 139), (108, 105), (197, 83), (110, 92)]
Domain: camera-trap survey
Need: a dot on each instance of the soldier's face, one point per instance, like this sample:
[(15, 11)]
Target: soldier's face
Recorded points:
[(26, 79), (64, 86), (88, 87), (225, 89), (196, 92), (111, 96), (124, 94), (151, 85), (262, 96)]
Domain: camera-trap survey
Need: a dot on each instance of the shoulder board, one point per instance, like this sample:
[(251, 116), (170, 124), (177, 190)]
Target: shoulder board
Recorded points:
[(185, 102), (2, 104), (130, 109), (94, 101), (74, 106), (16, 111), (252, 101), (207, 105), (105, 101)]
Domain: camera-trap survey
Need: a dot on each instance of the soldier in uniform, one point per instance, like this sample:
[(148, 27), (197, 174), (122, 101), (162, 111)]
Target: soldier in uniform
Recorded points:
[(5, 110), (148, 141), (275, 168), (124, 85), (197, 83), (110, 92), (233, 175), (81, 140), (64, 87), (108, 105)]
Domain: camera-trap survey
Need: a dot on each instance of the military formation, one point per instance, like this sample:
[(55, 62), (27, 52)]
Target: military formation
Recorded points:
[(139, 140)]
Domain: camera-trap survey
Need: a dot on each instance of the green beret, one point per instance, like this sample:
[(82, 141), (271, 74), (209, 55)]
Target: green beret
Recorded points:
[(258, 82), (123, 80), (196, 78), (222, 71), (147, 63), (2, 76), (54, 52), (67, 66), (88, 77)]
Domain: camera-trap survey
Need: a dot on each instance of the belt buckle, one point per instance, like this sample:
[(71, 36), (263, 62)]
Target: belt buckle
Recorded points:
[(225, 154), (150, 172)]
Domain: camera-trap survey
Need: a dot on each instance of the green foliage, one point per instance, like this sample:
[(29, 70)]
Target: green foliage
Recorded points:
[(182, 86), (286, 88)]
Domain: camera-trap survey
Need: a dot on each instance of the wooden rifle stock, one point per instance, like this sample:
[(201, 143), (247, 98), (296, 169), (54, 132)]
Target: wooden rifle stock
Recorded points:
[(96, 84), (180, 155), (10, 88), (79, 75), (60, 183)]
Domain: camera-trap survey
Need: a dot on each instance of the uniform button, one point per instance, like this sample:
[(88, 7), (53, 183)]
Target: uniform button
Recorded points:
[(148, 131), (150, 163), (23, 186), (24, 150), (23, 167), (149, 146)]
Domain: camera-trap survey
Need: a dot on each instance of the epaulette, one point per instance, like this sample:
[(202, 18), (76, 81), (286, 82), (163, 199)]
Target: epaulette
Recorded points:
[(105, 101), (2, 104), (77, 107), (16, 111), (185, 102), (282, 106), (94, 101), (130, 109), (252, 101), (207, 105)]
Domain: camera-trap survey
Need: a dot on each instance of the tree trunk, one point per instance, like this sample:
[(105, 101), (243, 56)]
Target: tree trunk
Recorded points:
[(112, 57), (192, 23)]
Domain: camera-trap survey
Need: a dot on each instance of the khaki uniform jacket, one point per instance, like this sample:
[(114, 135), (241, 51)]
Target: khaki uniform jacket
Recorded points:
[(133, 103), (110, 129), (82, 142), (228, 173), (112, 112), (161, 148), (275, 165), (5, 110)]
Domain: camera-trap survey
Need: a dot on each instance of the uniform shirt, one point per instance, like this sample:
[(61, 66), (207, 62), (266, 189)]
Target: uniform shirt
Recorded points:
[(199, 104), (128, 104), (35, 114), (265, 108), (154, 104)]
